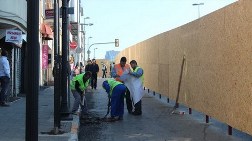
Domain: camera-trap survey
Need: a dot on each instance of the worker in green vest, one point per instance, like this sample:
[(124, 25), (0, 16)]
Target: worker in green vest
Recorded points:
[(78, 85), (116, 91), (138, 91)]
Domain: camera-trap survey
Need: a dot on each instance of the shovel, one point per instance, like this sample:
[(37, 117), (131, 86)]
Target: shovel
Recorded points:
[(179, 85)]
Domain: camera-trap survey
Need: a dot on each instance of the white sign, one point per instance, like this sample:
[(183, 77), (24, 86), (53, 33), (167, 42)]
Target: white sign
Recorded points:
[(14, 36)]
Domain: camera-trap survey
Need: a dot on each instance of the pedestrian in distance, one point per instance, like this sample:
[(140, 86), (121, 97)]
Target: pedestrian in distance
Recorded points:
[(88, 66), (116, 91), (78, 85), (94, 70), (76, 70), (138, 93), (111, 67), (104, 70), (119, 70), (82, 69), (4, 78)]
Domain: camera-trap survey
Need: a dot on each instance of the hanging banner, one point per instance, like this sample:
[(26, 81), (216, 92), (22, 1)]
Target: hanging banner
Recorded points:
[(45, 56), (14, 36)]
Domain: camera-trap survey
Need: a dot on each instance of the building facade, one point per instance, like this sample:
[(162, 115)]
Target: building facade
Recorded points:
[(13, 17)]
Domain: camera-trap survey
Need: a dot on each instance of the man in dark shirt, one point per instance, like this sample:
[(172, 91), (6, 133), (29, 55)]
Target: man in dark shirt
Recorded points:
[(94, 69), (88, 66)]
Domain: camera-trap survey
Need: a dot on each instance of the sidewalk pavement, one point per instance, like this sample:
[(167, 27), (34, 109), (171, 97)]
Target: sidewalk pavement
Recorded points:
[(12, 123)]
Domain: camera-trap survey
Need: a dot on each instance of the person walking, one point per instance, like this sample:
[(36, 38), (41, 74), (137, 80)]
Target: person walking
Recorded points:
[(116, 91), (4, 77), (111, 66), (88, 66), (94, 70), (78, 85), (117, 72), (138, 87), (104, 70)]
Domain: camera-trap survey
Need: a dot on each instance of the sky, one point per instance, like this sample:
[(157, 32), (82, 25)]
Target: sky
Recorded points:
[(133, 21)]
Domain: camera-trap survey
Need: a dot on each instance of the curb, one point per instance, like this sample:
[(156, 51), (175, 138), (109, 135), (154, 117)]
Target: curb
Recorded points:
[(74, 128)]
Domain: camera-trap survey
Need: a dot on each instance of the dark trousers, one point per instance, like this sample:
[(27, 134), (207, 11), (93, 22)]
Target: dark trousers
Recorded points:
[(94, 81), (128, 101), (138, 107), (104, 74), (5, 81)]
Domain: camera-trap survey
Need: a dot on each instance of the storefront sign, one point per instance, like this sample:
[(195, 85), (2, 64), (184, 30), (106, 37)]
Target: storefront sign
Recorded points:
[(49, 13), (14, 36), (45, 56)]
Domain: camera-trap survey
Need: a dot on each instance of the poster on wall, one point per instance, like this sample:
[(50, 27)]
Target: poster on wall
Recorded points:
[(45, 56)]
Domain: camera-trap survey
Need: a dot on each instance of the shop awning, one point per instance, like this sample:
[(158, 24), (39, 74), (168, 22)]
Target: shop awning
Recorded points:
[(46, 32)]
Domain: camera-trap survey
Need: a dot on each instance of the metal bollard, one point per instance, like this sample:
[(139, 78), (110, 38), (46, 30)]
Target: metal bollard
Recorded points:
[(190, 110), (207, 119), (230, 130)]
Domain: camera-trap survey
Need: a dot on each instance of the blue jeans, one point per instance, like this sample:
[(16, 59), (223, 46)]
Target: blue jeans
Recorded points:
[(5, 82), (117, 100)]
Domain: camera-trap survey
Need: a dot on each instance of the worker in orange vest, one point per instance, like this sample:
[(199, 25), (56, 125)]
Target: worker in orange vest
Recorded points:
[(117, 71)]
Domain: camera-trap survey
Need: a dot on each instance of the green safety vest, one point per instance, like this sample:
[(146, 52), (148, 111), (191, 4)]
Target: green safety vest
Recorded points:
[(79, 78), (113, 83), (141, 77)]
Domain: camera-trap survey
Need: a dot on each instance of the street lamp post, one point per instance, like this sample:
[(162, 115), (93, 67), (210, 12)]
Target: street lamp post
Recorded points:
[(88, 46), (94, 52), (88, 52), (198, 4), (84, 24), (64, 110), (88, 40), (31, 128)]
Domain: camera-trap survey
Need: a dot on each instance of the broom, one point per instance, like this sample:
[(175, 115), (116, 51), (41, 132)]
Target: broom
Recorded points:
[(179, 85)]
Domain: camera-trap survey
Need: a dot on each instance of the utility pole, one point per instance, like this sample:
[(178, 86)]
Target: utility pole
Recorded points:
[(65, 65), (31, 129), (56, 70)]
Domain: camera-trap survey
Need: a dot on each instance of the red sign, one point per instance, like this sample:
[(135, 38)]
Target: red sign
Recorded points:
[(73, 45), (45, 56), (49, 13)]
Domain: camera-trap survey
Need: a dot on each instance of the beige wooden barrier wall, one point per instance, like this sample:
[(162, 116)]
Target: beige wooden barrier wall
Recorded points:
[(217, 77)]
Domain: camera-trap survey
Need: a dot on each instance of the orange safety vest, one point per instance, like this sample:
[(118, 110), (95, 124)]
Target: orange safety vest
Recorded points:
[(119, 70)]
